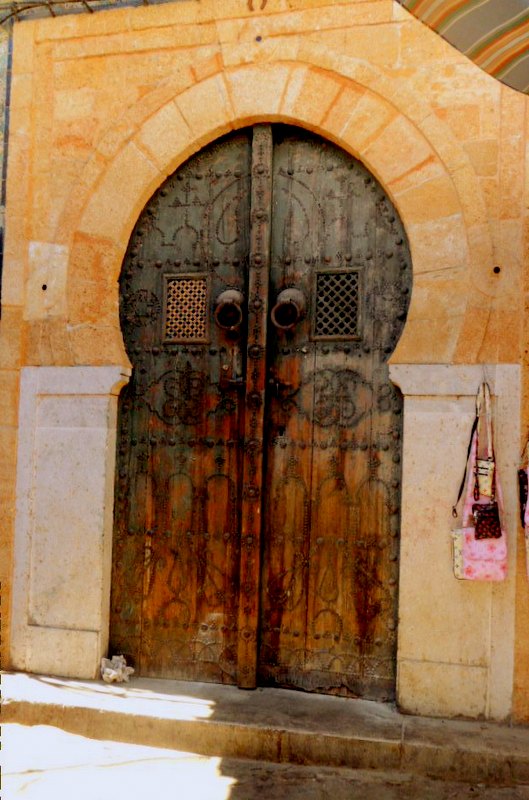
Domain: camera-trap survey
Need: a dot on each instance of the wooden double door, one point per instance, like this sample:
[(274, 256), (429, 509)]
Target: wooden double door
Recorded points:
[(258, 469)]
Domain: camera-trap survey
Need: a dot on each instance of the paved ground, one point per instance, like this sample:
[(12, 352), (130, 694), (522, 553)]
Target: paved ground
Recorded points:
[(65, 739), (45, 763), (274, 726)]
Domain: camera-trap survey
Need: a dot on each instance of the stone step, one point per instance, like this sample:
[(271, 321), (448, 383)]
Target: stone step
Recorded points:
[(41, 762), (273, 725)]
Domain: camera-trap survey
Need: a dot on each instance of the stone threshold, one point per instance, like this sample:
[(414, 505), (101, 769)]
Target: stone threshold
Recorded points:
[(276, 725)]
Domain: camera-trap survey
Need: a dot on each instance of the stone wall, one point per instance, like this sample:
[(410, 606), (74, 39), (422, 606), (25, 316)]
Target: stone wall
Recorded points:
[(105, 106), (8, 396)]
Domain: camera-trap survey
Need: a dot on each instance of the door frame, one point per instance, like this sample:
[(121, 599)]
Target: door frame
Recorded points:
[(379, 221)]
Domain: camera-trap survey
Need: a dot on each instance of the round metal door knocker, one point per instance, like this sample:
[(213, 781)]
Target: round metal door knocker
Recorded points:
[(228, 309), (289, 309)]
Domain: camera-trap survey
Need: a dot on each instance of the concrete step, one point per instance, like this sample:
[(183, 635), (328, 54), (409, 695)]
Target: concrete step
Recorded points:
[(272, 725), (40, 762)]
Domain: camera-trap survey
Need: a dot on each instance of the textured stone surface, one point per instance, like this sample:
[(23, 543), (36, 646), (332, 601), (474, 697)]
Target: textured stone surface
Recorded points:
[(64, 524), (104, 106), (66, 764), (270, 725), (396, 136), (456, 638)]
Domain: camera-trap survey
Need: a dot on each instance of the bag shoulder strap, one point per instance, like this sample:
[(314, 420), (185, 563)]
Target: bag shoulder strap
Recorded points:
[(461, 488), (484, 409)]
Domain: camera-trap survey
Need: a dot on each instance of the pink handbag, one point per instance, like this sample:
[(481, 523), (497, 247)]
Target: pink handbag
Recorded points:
[(474, 558)]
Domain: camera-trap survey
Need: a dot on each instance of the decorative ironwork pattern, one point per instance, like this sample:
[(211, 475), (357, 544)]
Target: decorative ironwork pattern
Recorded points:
[(333, 427), (253, 473), (186, 309), (258, 470), (175, 585), (336, 303)]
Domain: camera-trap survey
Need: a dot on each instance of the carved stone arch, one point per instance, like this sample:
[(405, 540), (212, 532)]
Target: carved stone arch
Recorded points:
[(417, 162)]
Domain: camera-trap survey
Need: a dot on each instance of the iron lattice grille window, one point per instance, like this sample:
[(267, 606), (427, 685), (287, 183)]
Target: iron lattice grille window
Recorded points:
[(185, 308), (337, 305)]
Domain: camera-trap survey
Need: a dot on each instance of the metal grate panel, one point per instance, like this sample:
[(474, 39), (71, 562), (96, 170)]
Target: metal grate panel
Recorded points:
[(186, 309), (337, 305)]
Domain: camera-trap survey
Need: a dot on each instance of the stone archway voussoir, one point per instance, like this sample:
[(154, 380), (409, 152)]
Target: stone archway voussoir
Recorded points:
[(355, 116)]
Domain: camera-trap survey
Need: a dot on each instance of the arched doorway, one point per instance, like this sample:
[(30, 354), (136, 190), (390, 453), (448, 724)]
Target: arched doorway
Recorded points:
[(258, 476)]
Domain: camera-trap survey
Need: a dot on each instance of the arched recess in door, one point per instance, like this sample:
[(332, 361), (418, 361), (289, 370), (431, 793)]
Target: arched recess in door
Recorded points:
[(258, 475)]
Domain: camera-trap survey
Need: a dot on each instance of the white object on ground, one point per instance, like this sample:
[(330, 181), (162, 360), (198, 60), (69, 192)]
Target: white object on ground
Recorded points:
[(115, 670)]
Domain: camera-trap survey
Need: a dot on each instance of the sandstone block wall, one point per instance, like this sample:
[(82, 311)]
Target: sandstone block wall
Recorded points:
[(105, 106)]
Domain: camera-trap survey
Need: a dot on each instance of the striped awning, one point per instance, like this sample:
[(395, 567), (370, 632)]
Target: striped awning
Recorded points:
[(493, 33)]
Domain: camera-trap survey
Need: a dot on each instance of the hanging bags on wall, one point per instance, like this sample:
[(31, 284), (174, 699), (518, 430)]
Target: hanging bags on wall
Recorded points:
[(480, 545), (523, 488), (526, 527)]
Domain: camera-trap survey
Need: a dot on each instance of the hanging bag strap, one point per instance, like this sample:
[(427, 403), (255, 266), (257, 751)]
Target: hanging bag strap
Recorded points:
[(484, 410), (488, 419), (461, 488), (484, 414), (490, 442)]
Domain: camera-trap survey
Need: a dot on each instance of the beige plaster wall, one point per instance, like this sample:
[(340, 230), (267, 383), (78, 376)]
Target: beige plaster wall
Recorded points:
[(104, 106), (456, 638)]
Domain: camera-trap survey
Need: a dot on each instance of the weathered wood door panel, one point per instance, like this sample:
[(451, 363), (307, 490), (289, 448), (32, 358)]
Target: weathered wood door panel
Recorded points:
[(177, 534), (333, 425), (257, 501)]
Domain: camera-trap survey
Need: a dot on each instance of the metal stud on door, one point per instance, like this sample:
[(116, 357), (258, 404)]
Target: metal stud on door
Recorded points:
[(258, 470), (175, 586), (340, 273)]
